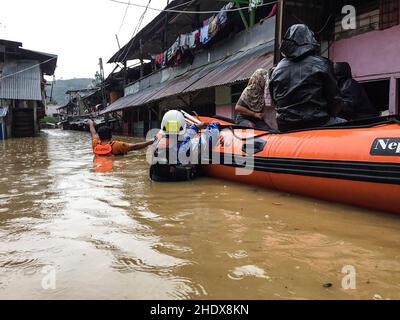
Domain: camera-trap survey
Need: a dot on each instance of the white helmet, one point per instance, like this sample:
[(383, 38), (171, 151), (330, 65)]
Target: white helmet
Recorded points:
[(174, 123)]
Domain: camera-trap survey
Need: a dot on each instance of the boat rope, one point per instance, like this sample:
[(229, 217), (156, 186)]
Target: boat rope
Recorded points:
[(384, 121)]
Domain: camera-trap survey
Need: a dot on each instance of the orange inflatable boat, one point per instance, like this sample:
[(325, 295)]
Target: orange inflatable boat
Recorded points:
[(355, 163)]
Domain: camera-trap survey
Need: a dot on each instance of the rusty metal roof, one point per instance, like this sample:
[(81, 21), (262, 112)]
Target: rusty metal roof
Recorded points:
[(183, 82), (133, 100), (238, 69), (163, 90)]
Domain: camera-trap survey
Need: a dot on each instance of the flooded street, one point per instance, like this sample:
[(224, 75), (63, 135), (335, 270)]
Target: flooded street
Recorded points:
[(117, 235)]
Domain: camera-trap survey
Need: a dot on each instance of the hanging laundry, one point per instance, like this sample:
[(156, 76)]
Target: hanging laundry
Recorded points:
[(160, 59), (218, 22), (223, 14), (273, 11), (178, 58), (175, 47), (213, 27), (165, 56), (184, 42), (169, 54), (204, 38), (191, 40), (197, 34), (255, 3), (157, 59)]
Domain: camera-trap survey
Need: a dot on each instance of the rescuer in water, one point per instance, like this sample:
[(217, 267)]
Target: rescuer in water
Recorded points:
[(184, 149), (104, 145)]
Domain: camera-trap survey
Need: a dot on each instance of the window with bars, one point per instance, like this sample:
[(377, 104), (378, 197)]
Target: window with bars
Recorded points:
[(389, 15)]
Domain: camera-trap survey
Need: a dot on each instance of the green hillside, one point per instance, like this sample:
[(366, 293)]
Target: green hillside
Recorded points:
[(62, 86)]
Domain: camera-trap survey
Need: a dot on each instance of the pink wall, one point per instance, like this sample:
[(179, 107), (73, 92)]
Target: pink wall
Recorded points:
[(370, 54), (373, 55)]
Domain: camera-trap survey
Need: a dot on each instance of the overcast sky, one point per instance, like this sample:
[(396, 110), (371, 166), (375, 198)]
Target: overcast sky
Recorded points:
[(78, 31)]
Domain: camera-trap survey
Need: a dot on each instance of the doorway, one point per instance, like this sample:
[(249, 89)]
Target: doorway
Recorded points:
[(379, 94), (23, 123)]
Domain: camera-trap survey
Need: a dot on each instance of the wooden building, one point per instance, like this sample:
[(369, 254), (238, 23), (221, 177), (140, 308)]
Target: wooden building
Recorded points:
[(22, 88)]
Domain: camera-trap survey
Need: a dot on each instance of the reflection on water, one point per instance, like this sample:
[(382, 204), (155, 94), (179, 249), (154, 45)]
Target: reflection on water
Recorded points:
[(114, 234)]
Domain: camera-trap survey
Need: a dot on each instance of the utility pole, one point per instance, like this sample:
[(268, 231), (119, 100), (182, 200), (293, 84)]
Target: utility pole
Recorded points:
[(119, 46), (103, 93), (141, 58), (52, 87), (165, 29), (279, 30)]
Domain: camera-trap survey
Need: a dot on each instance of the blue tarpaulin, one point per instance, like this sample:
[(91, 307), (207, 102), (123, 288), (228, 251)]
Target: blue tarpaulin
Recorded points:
[(3, 112)]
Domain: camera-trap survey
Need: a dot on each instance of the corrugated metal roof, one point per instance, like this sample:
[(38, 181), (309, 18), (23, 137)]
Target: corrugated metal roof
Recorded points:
[(236, 68), (165, 89), (3, 112), (133, 100), (183, 82), (21, 81), (232, 71)]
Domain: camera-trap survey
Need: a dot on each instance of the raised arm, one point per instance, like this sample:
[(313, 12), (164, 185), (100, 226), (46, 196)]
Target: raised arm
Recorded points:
[(140, 146), (92, 129)]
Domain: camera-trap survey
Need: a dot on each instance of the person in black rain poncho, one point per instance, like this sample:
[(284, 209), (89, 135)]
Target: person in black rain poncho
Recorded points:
[(303, 86), (356, 104)]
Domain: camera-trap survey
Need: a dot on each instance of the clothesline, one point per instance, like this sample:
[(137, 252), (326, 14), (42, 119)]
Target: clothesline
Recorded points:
[(191, 40), (211, 27)]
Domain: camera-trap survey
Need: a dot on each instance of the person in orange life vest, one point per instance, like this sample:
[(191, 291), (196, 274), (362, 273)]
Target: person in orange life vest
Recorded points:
[(104, 145)]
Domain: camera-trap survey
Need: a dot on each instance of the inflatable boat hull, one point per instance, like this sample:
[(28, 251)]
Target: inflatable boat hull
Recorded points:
[(354, 165)]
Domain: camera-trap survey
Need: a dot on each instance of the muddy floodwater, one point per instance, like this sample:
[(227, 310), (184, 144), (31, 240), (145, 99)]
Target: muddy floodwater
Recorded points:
[(69, 230)]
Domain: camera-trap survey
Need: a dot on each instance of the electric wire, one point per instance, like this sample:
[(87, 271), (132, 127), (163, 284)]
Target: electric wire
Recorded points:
[(196, 12)]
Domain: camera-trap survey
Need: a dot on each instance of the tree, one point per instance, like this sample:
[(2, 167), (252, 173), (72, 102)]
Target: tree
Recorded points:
[(52, 101), (96, 82), (48, 119)]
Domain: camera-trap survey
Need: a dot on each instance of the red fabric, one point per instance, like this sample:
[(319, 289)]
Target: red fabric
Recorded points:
[(273, 11)]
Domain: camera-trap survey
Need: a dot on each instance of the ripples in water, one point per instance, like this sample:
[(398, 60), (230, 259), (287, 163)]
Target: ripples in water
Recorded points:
[(118, 235)]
